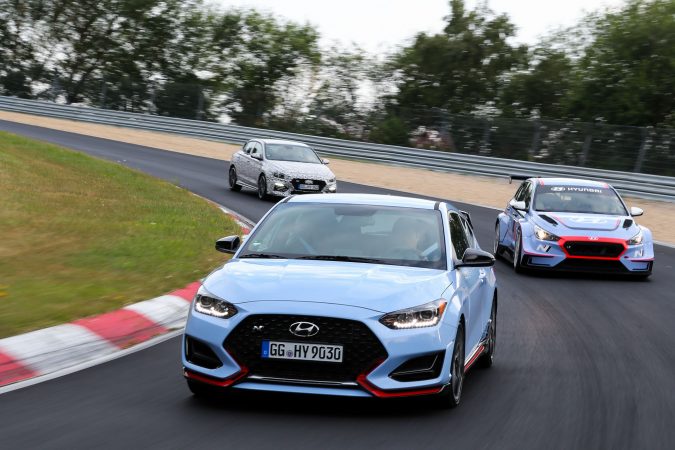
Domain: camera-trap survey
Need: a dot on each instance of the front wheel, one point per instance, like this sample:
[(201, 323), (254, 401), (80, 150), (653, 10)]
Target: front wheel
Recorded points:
[(262, 188), (452, 394), (233, 180), (487, 359), (518, 253)]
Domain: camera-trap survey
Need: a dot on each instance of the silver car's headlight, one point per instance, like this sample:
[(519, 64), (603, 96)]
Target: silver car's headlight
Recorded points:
[(636, 240), (544, 235), (332, 180), (279, 175), (422, 316), (208, 304)]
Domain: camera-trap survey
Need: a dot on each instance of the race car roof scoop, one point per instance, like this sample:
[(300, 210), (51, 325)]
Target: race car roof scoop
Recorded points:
[(548, 219), (627, 223)]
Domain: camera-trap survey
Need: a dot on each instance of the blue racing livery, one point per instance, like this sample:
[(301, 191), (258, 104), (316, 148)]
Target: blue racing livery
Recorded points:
[(350, 295), (573, 225)]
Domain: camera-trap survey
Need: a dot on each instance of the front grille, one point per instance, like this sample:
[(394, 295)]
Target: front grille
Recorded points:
[(296, 182), (590, 265), (361, 347), (594, 249)]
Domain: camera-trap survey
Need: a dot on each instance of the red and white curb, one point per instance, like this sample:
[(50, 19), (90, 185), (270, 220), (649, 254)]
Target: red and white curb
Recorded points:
[(54, 349)]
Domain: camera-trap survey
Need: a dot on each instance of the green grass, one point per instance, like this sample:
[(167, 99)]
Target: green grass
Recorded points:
[(80, 236)]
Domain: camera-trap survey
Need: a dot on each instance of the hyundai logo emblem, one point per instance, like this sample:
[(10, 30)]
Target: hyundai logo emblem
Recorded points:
[(593, 238), (309, 181), (303, 329)]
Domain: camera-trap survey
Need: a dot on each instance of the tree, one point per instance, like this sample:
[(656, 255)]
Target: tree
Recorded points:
[(461, 68), (626, 73)]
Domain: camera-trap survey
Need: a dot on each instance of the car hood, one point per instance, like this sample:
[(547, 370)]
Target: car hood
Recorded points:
[(577, 224), (382, 288), (302, 170)]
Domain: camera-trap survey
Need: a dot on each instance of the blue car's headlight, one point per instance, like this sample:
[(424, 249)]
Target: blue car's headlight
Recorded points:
[(208, 304), (635, 240), (426, 315), (544, 235)]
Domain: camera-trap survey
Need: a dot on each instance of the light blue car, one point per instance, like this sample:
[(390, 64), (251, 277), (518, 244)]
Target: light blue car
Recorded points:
[(349, 295), (567, 224)]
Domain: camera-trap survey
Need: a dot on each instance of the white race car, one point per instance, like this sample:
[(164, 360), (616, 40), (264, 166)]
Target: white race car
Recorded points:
[(280, 168)]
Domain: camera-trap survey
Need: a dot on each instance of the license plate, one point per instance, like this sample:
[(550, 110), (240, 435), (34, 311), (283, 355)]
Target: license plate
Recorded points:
[(301, 351), (308, 187)]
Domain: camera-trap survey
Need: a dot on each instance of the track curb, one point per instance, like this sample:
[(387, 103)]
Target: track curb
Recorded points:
[(58, 348)]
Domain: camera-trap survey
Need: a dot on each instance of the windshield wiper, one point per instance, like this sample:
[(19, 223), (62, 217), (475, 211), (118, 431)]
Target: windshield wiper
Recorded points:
[(262, 256), (343, 258)]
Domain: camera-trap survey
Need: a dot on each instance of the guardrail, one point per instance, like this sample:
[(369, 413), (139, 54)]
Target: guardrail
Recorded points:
[(634, 184)]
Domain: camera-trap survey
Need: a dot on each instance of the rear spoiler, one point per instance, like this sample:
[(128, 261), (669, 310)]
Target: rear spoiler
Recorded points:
[(520, 177)]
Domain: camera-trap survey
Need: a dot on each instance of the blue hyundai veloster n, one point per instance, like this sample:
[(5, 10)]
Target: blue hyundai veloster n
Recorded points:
[(350, 295)]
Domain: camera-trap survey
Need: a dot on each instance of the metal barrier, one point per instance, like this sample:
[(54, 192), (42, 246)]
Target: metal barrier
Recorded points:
[(634, 184)]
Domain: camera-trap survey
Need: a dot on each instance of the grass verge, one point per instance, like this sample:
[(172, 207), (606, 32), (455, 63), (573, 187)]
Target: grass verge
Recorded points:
[(81, 236)]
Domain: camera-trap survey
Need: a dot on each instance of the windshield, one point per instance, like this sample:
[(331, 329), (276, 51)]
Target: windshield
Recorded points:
[(578, 199), (355, 233), (289, 152)]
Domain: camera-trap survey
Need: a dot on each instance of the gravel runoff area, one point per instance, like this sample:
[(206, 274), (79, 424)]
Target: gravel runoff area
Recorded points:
[(478, 190)]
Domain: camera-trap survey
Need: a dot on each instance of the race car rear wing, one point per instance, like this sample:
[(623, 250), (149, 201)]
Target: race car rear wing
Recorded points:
[(520, 177)]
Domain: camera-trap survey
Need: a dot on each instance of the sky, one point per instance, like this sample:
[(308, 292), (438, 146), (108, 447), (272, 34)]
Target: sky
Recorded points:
[(380, 25)]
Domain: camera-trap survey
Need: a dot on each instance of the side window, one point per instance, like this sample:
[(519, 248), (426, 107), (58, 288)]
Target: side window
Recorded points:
[(527, 198), (248, 147), (458, 236), (520, 193), (257, 150), (473, 242)]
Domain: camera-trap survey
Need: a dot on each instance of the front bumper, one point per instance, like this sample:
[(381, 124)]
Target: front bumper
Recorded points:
[(538, 254), (285, 187), (373, 379)]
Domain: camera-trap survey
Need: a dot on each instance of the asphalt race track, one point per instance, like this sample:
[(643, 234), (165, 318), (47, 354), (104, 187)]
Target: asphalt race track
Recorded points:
[(581, 362)]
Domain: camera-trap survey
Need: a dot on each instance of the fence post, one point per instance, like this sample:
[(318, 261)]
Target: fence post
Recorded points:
[(587, 145), (641, 153), (535, 139)]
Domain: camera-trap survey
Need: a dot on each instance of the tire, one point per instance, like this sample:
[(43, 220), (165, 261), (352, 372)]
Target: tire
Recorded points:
[(452, 394), (234, 186), (498, 249), (517, 254), (262, 188), (201, 390), (487, 358)]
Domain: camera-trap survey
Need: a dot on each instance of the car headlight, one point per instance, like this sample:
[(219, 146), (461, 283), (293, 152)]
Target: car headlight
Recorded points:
[(279, 175), (212, 306), (332, 180), (635, 240), (426, 315), (544, 235)]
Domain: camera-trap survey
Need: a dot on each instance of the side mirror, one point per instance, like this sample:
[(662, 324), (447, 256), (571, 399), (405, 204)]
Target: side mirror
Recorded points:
[(257, 156), (476, 258), (519, 205), (228, 244), (635, 211), (325, 161)]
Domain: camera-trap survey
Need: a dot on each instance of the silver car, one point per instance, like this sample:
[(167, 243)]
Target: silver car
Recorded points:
[(280, 168)]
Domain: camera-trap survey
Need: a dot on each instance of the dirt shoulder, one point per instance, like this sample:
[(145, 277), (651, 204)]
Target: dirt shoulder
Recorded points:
[(484, 191)]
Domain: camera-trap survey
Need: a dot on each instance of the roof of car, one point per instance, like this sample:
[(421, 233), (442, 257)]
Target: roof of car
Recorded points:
[(569, 182), (367, 199), (280, 141)]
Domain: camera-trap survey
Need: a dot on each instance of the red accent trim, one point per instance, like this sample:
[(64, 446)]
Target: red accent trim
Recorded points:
[(122, 327), (362, 380), (220, 382), (541, 182), (474, 358), (564, 239)]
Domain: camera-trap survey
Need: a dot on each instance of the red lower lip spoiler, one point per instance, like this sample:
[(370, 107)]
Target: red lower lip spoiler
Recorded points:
[(220, 382), (362, 380)]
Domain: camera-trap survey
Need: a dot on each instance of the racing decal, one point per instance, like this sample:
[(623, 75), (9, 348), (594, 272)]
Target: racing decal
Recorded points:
[(543, 248), (586, 189)]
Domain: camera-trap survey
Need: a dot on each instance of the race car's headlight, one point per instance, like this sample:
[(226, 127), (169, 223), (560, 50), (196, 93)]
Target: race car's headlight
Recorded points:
[(422, 316), (215, 307), (635, 240), (332, 180), (544, 235), (279, 175)]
